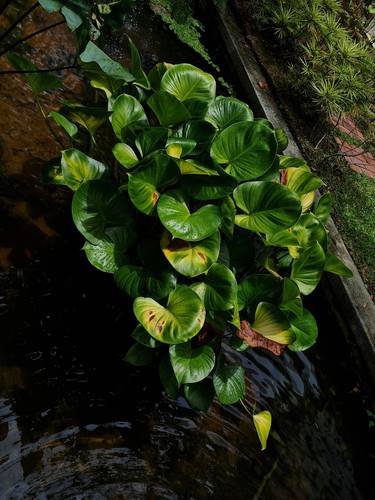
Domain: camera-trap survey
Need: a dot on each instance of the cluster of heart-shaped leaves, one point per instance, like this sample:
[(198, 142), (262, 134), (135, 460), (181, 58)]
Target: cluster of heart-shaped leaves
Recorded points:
[(206, 224)]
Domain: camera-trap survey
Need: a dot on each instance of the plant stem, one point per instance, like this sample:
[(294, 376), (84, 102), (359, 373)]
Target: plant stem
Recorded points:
[(17, 21), (13, 45), (45, 70), (57, 139), (246, 408)]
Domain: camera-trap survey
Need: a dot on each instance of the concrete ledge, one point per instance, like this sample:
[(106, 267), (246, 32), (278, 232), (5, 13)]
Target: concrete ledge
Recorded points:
[(353, 306)]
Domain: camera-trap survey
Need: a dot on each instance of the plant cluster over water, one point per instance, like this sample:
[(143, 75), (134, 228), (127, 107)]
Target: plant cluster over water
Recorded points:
[(204, 223)]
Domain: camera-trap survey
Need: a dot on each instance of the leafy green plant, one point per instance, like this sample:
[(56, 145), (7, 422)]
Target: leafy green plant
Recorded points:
[(331, 63), (204, 223)]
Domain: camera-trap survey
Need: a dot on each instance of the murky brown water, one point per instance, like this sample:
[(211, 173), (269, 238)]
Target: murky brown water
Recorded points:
[(76, 422)]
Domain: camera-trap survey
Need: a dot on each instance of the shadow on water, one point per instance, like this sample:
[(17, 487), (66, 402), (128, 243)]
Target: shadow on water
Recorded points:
[(76, 422)]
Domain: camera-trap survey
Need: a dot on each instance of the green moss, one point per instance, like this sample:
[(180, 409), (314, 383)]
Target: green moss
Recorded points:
[(178, 15)]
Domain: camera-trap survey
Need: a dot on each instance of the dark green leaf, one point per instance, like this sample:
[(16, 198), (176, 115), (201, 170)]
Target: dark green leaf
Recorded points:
[(168, 109), (142, 337), (39, 82), (334, 265), (140, 281), (305, 329), (168, 378), (229, 383), (191, 365), (268, 206), (92, 54), (176, 217), (127, 115), (218, 291), (200, 395), (97, 207), (307, 268), (246, 150), (139, 355)]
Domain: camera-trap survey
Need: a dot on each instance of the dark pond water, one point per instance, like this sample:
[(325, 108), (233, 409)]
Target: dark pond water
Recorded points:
[(76, 422)]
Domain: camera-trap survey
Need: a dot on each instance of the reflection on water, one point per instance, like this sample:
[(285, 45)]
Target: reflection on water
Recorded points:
[(76, 422)]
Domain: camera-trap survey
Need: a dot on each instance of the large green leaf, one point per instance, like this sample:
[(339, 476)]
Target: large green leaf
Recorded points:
[(200, 395), (270, 322), (127, 116), (136, 67), (282, 140), (89, 117), (125, 155), (145, 183), (218, 291), (229, 383), (305, 329), (246, 150), (39, 82), (268, 207), (76, 12), (200, 131), (212, 187), (307, 268), (108, 255), (70, 128), (291, 301), (139, 281), (78, 168), (176, 323), (262, 422), (191, 365), (156, 74), (176, 217), (97, 208), (167, 377), (151, 140), (323, 208), (302, 180), (139, 355), (228, 212), (189, 84), (334, 265), (191, 258), (144, 338), (192, 167), (226, 111), (168, 109), (306, 232), (115, 70), (256, 288), (177, 147)]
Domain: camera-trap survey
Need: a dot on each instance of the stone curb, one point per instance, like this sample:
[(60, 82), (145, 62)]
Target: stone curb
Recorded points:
[(353, 307)]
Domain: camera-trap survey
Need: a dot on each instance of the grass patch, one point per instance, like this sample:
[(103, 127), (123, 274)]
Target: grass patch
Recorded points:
[(354, 206)]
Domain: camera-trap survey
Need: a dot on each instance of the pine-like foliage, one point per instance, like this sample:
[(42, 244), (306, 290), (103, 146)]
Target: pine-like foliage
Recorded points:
[(332, 64)]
